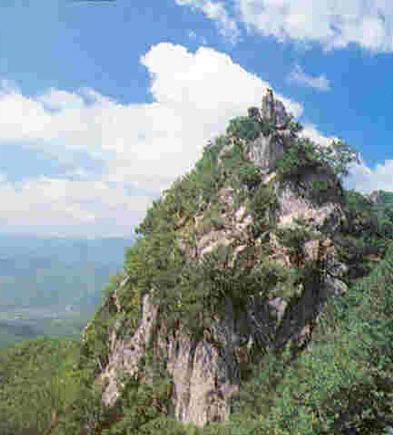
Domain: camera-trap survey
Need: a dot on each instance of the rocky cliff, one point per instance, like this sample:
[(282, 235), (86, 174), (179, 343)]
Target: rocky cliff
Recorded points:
[(237, 259)]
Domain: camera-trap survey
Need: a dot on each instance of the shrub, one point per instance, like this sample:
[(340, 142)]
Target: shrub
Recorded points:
[(244, 127), (249, 175), (304, 152), (320, 186), (301, 154), (295, 127)]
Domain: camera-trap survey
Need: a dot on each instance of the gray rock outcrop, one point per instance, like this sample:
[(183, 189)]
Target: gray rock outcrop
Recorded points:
[(269, 147), (205, 373)]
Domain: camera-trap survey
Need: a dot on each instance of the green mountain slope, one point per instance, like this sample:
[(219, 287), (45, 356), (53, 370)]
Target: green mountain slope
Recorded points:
[(257, 299), (343, 380)]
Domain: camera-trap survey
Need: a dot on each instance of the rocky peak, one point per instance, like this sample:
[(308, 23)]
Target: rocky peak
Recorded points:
[(273, 111), (256, 227), (268, 147)]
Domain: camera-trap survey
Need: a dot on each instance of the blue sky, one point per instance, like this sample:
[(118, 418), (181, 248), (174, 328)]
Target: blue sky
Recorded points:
[(104, 104)]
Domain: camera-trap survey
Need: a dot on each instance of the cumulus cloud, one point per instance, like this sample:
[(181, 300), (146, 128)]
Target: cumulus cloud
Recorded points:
[(311, 131), (194, 98), (45, 205), (334, 24), (216, 11), (365, 179), (299, 77), (204, 80), (143, 147)]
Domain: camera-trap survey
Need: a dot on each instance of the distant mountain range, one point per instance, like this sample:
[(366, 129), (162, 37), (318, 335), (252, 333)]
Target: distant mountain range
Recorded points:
[(50, 286)]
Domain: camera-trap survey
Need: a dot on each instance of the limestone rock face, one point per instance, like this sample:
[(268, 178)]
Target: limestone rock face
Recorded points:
[(273, 111), (265, 151), (269, 147), (296, 201), (125, 354), (203, 375), (206, 372)]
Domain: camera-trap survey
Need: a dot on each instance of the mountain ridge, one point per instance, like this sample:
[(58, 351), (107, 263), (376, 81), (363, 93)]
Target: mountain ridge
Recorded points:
[(213, 223)]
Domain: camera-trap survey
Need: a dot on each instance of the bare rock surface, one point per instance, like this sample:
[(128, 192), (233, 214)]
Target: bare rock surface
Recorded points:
[(265, 150), (126, 353)]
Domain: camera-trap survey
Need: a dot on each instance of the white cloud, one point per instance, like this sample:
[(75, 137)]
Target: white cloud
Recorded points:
[(316, 136), (145, 146), (333, 23), (43, 205), (365, 180), (194, 97), (299, 77), (216, 11), (204, 81)]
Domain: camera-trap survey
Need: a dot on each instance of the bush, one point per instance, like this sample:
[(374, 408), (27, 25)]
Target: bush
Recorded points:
[(305, 153), (295, 127), (301, 154), (244, 127)]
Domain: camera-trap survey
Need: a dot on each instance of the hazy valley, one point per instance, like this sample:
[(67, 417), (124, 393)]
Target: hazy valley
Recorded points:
[(51, 286)]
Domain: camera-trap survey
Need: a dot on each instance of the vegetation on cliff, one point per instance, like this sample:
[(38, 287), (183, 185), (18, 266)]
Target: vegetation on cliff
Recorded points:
[(343, 379)]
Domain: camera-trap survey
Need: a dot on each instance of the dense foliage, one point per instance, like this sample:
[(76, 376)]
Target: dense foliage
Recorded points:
[(366, 232), (182, 286), (37, 383), (343, 380), (306, 153)]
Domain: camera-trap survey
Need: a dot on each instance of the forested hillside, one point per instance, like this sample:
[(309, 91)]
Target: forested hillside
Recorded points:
[(257, 299), (343, 380)]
